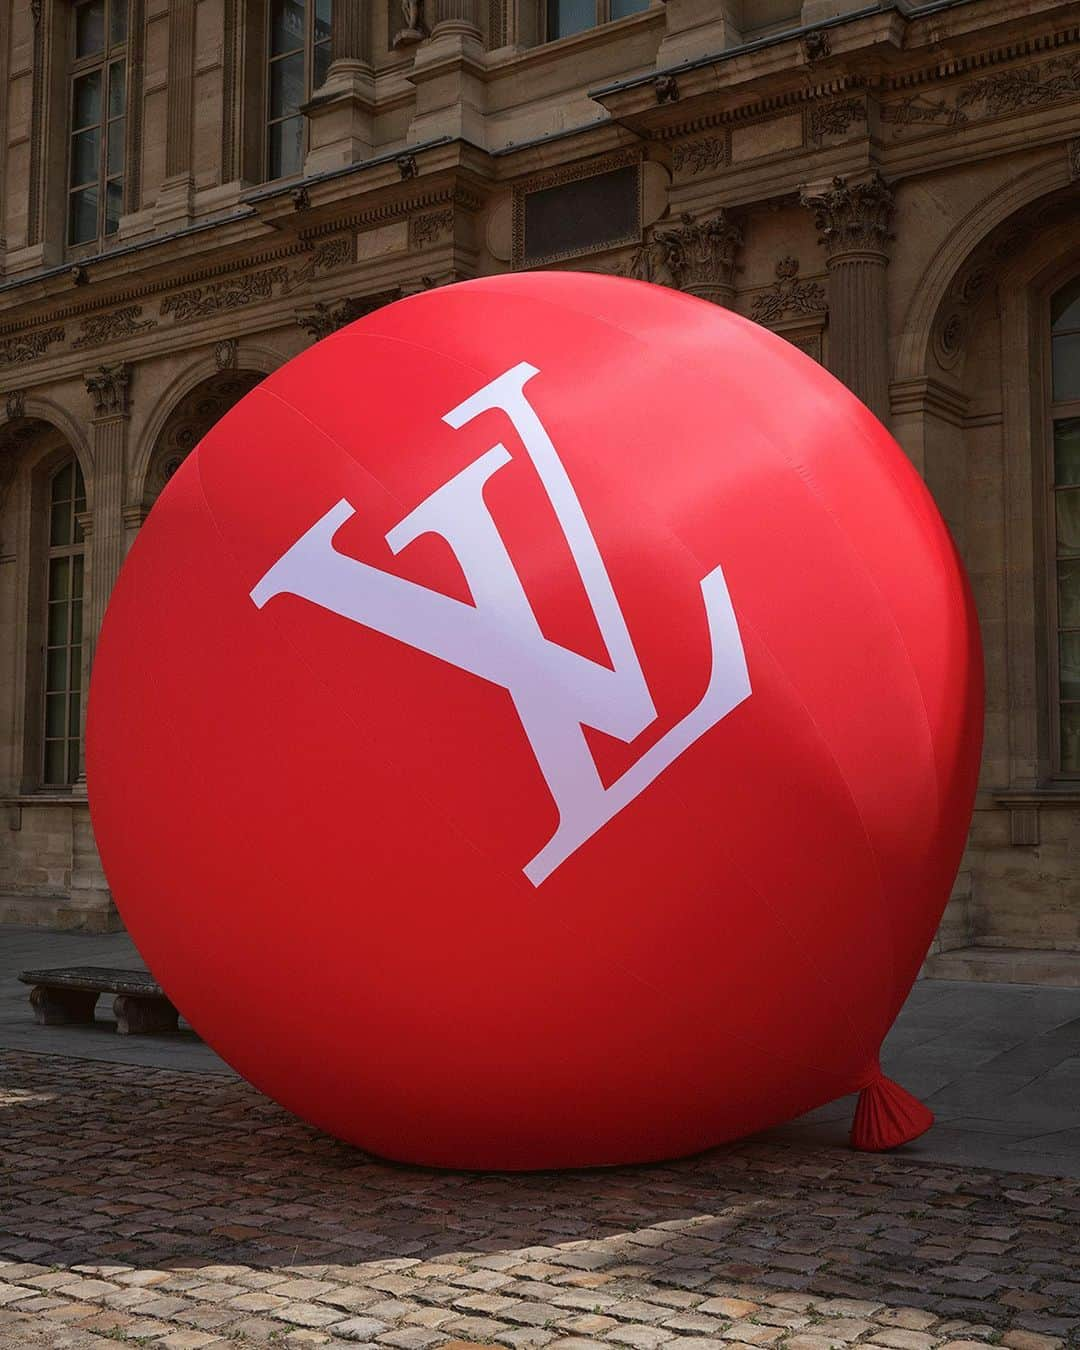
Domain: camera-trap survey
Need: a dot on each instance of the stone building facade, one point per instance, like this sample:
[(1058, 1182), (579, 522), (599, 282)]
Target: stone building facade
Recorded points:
[(195, 190)]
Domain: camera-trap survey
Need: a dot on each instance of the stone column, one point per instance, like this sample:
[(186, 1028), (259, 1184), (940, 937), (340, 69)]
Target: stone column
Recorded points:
[(341, 109), (450, 17), (854, 220), (349, 32)]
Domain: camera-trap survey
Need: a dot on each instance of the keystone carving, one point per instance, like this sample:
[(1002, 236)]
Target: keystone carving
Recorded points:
[(225, 354), (15, 405), (853, 217), (109, 386)]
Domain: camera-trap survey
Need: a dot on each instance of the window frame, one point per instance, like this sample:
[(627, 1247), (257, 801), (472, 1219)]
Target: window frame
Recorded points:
[(310, 46), (75, 548), (110, 55), (602, 10), (1054, 410)]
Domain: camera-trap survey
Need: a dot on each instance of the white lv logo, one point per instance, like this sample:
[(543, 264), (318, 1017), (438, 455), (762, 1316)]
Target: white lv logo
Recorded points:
[(555, 691)]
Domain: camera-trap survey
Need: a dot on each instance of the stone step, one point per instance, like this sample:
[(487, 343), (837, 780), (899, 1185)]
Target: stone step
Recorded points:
[(1006, 965)]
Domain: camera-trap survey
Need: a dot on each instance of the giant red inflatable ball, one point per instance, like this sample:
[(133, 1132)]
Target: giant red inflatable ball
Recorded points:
[(538, 726)]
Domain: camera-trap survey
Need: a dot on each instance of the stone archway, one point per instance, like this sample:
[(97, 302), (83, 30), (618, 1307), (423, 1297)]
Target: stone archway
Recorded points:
[(188, 422)]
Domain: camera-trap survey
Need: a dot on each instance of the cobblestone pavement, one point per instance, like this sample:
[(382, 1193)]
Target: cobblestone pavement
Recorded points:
[(182, 1210)]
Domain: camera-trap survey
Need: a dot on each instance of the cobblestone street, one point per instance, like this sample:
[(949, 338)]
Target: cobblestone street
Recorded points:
[(182, 1210)]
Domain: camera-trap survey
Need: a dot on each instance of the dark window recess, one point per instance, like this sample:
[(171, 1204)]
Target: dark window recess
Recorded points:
[(581, 216)]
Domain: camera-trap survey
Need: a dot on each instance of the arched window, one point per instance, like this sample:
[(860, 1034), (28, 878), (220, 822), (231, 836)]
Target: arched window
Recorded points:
[(298, 57), (63, 627), (1065, 429)]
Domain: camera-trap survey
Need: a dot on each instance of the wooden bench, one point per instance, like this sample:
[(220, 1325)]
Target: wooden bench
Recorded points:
[(60, 997)]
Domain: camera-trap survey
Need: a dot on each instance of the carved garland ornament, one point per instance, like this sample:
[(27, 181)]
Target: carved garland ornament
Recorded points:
[(28, 346), (426, 229), (694, 157), (120, 323), (1009, 91), (833, 119), (788, 295)]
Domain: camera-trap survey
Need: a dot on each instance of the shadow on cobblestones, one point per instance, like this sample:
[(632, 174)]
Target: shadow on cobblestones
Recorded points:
[(213, 1187)]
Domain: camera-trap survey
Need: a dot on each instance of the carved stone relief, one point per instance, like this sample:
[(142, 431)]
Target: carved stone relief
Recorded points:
[(429, 227), (1008, 91), (788, 295), (28, 346), (111, 326), (853, 216), (701, 155), (698, 256), (109, 388), (833, 119)]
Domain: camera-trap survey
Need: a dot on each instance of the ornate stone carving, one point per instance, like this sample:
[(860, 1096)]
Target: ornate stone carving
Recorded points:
[(1008, 91), (201, 302), (833, 119), (853, 217), (788, 295), (406, 166), (693, 157), (667, 89), (413, 28), (426, 229), (120, 323), (109, 387), (326, 317), (35, 11), (225, 353), (79, 275), (301, 198), (28, 346), (15, 405), (953, 322), (696, 256), (322, 258), (816, 45)]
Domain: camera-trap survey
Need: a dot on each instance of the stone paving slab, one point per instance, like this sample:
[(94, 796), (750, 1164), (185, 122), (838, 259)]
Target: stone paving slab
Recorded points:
[(177, 1209), (998, 1064)]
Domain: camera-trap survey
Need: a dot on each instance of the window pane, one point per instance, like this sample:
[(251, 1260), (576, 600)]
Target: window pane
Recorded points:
[(322, 64), (287, 25), (86, 100), (114, 204), (322, 19), (56, 669), (77, 577), (117, 22), (286, 85), (61, 484), (85, 160), (60, 524), (1065, 307), (570, 16), (74, 713), (90, 28), (1069, 665), (59, 578), (58, 626), (73, 761), (1066, 352), (55, 762), (286, 147), (83, 216), (1067, 505), (55, 708), (76, 622), (621, 8), (1067, 450), (1068, 589), (117, 85)]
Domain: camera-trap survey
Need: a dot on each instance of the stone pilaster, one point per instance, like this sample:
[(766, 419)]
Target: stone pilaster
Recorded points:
[(108, 389), (854, 220), (175, 197), (340, 112)]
